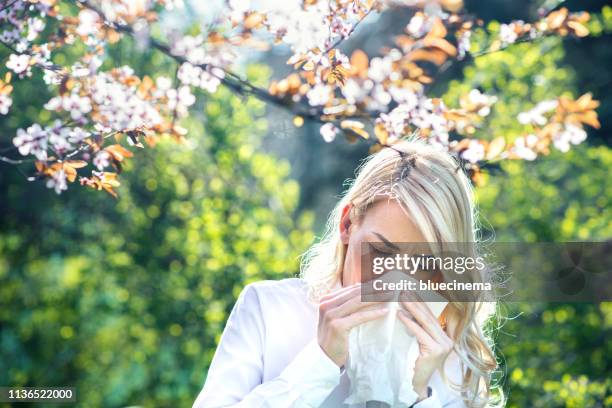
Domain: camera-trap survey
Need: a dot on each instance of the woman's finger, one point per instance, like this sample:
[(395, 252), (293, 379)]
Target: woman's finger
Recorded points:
[(419, 332), (351, 306), (425, 317), (340, 296), (336, 292), (364, 316)]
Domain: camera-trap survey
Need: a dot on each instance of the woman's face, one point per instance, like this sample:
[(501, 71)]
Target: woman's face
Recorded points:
[(385, 223)]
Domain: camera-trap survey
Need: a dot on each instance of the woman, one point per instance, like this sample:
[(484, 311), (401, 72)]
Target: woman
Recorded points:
[(286, 342)]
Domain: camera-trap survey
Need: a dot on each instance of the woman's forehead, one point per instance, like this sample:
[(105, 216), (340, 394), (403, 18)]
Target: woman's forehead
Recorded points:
[(388, 218)]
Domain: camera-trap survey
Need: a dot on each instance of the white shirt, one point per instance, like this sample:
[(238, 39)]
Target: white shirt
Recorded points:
[(269, 356)]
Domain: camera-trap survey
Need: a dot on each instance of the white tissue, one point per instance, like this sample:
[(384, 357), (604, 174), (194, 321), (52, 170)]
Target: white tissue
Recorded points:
[(381, 358)]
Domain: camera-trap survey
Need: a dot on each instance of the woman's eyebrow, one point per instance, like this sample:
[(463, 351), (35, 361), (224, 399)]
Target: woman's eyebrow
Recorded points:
[(387, 242)]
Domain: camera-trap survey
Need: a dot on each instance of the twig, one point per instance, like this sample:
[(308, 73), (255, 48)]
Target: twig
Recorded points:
[(14, 161), (9, 5), (352, 30)]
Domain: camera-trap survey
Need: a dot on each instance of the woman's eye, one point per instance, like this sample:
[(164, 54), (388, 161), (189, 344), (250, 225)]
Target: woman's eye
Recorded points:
[(374, 250), (377, 251)]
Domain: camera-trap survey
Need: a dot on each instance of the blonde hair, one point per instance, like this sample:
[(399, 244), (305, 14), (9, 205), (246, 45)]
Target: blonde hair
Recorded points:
[(437, 195)]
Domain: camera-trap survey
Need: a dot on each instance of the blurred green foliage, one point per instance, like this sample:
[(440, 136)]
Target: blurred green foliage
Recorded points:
[(556, 354), (553, 354), (126, 299)]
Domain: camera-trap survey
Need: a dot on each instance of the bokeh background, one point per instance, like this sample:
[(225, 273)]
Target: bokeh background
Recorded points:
[(126, 299)]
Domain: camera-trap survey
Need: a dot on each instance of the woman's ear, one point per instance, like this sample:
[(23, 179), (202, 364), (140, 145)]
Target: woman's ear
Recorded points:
[(345, 224)]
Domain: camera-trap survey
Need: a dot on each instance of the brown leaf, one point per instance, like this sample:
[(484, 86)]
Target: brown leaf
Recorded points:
[(375, 148), (405, 42), (40, 166), (355, 127), (438, 30), (586, 102), (462, 144), (359, 63), (70, 172), (435, 56), (77, 164), (118, 152), (477, 177), (351, 123), (381, 133), (337, 75), (579, 29), (254, 20), (452, 5), (359, 132), (556, 18), (588, 118), (441, 44), (102, 181), (215, 38), (294, 82)]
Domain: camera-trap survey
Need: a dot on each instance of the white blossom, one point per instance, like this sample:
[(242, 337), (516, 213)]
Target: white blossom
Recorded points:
[(35, 26), (418, 27), (20, 64), (355, 91), (405, 96), (572, 134), (318, 95), (58, 137), (58, 181), (507, 34), (483, 100), (179, 100), (301, 28), (523, 147), (240, 6), (88, 22), (536, 116), (52, 77), (190, 74), (474, 152), (464, 44), (9, 36), (380, 69), (163, 83), (380, 97), (78, 106), (34, 141), (77, 135), (102, 160), (5, 104), (120, 106), (329, 131)]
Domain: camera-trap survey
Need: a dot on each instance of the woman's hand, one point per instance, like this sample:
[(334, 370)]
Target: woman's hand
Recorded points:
[(434, 344), (339, 312)]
